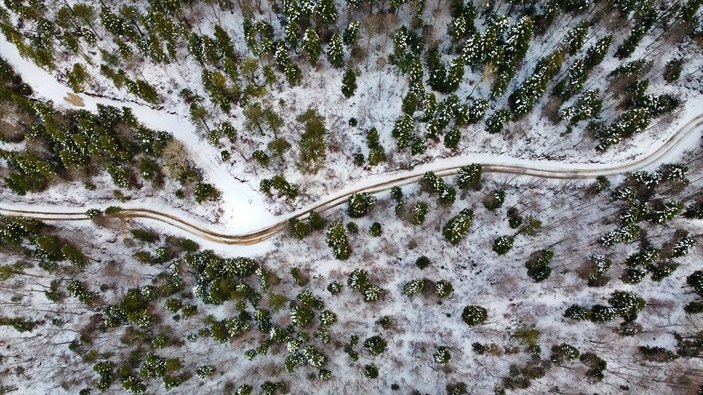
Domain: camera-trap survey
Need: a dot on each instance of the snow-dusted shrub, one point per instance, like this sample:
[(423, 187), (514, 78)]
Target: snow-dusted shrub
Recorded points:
[(503, 244), (457, 227), (474, 315), (336, 238), (360, 204), (442, 355)]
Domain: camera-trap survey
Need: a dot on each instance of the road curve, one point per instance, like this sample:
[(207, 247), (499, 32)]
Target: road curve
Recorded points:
[(543, 170)]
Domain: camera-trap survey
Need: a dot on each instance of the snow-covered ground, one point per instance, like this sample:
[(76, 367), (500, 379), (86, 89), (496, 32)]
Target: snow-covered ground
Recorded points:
[(243, 208), (45, 361)]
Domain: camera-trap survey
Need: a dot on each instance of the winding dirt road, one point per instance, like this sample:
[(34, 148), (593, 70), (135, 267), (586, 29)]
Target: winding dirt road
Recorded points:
[(546, 169)]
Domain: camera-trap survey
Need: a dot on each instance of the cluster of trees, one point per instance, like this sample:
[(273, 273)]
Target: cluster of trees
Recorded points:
[(36, 240), (250, 288), (283, 187), (639, 194), (359, 281), (301, 229), (623, 304), (695, 282), (441, 288), (640, 107), (78, 144)]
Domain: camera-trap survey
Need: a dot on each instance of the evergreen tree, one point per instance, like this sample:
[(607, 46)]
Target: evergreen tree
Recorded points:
[(403, 131), (452, 138), (311, 45), (474, 315), (335, 53), (627, 304), (587, 106), (457, 227), (596, 53), (312, 143), (290, 35), (419, 213), (472, 51), (469, 176), (413, 287), (538, 265), (443, 288), (477, 110), (564, 352), (455, 75), (642, 24), (442, 355), (437, 71), (695, 281), (575, 38), (672, 70), (503, 244), (336, 238), (327, 11), (351, 32), (360, 204), (526, 95), (494, 124), (518, 40), (349, 83)]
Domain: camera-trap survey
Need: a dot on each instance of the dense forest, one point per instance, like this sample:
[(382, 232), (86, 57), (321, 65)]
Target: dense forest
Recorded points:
[(470, 279)]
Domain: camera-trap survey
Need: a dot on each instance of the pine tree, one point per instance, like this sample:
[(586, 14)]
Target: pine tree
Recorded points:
[(672, 70), (336, 238), (452, 138), (596, 53), (281, 58), (494, 33), (695, 281), (360, 204), (469, 176), (458, 28), (335, 53), (376, 345), (457, 227), (503, 244), (290, 33), (443, 288), (403, 131), (437, 71), (587, 106), (349, 83), (293, 74), (477, 110), (442, 355), (455, 75), (413, 287), (311, 45), (351, 33), (474, 315), (538, 265), (526, 95), (472, 51), (419, 213), (400, 57), (293, 10), (627, 304), (575, 38), (494, 124), (518, 40), (642, 24), (564, 352), (312, 143), (327, 11)]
